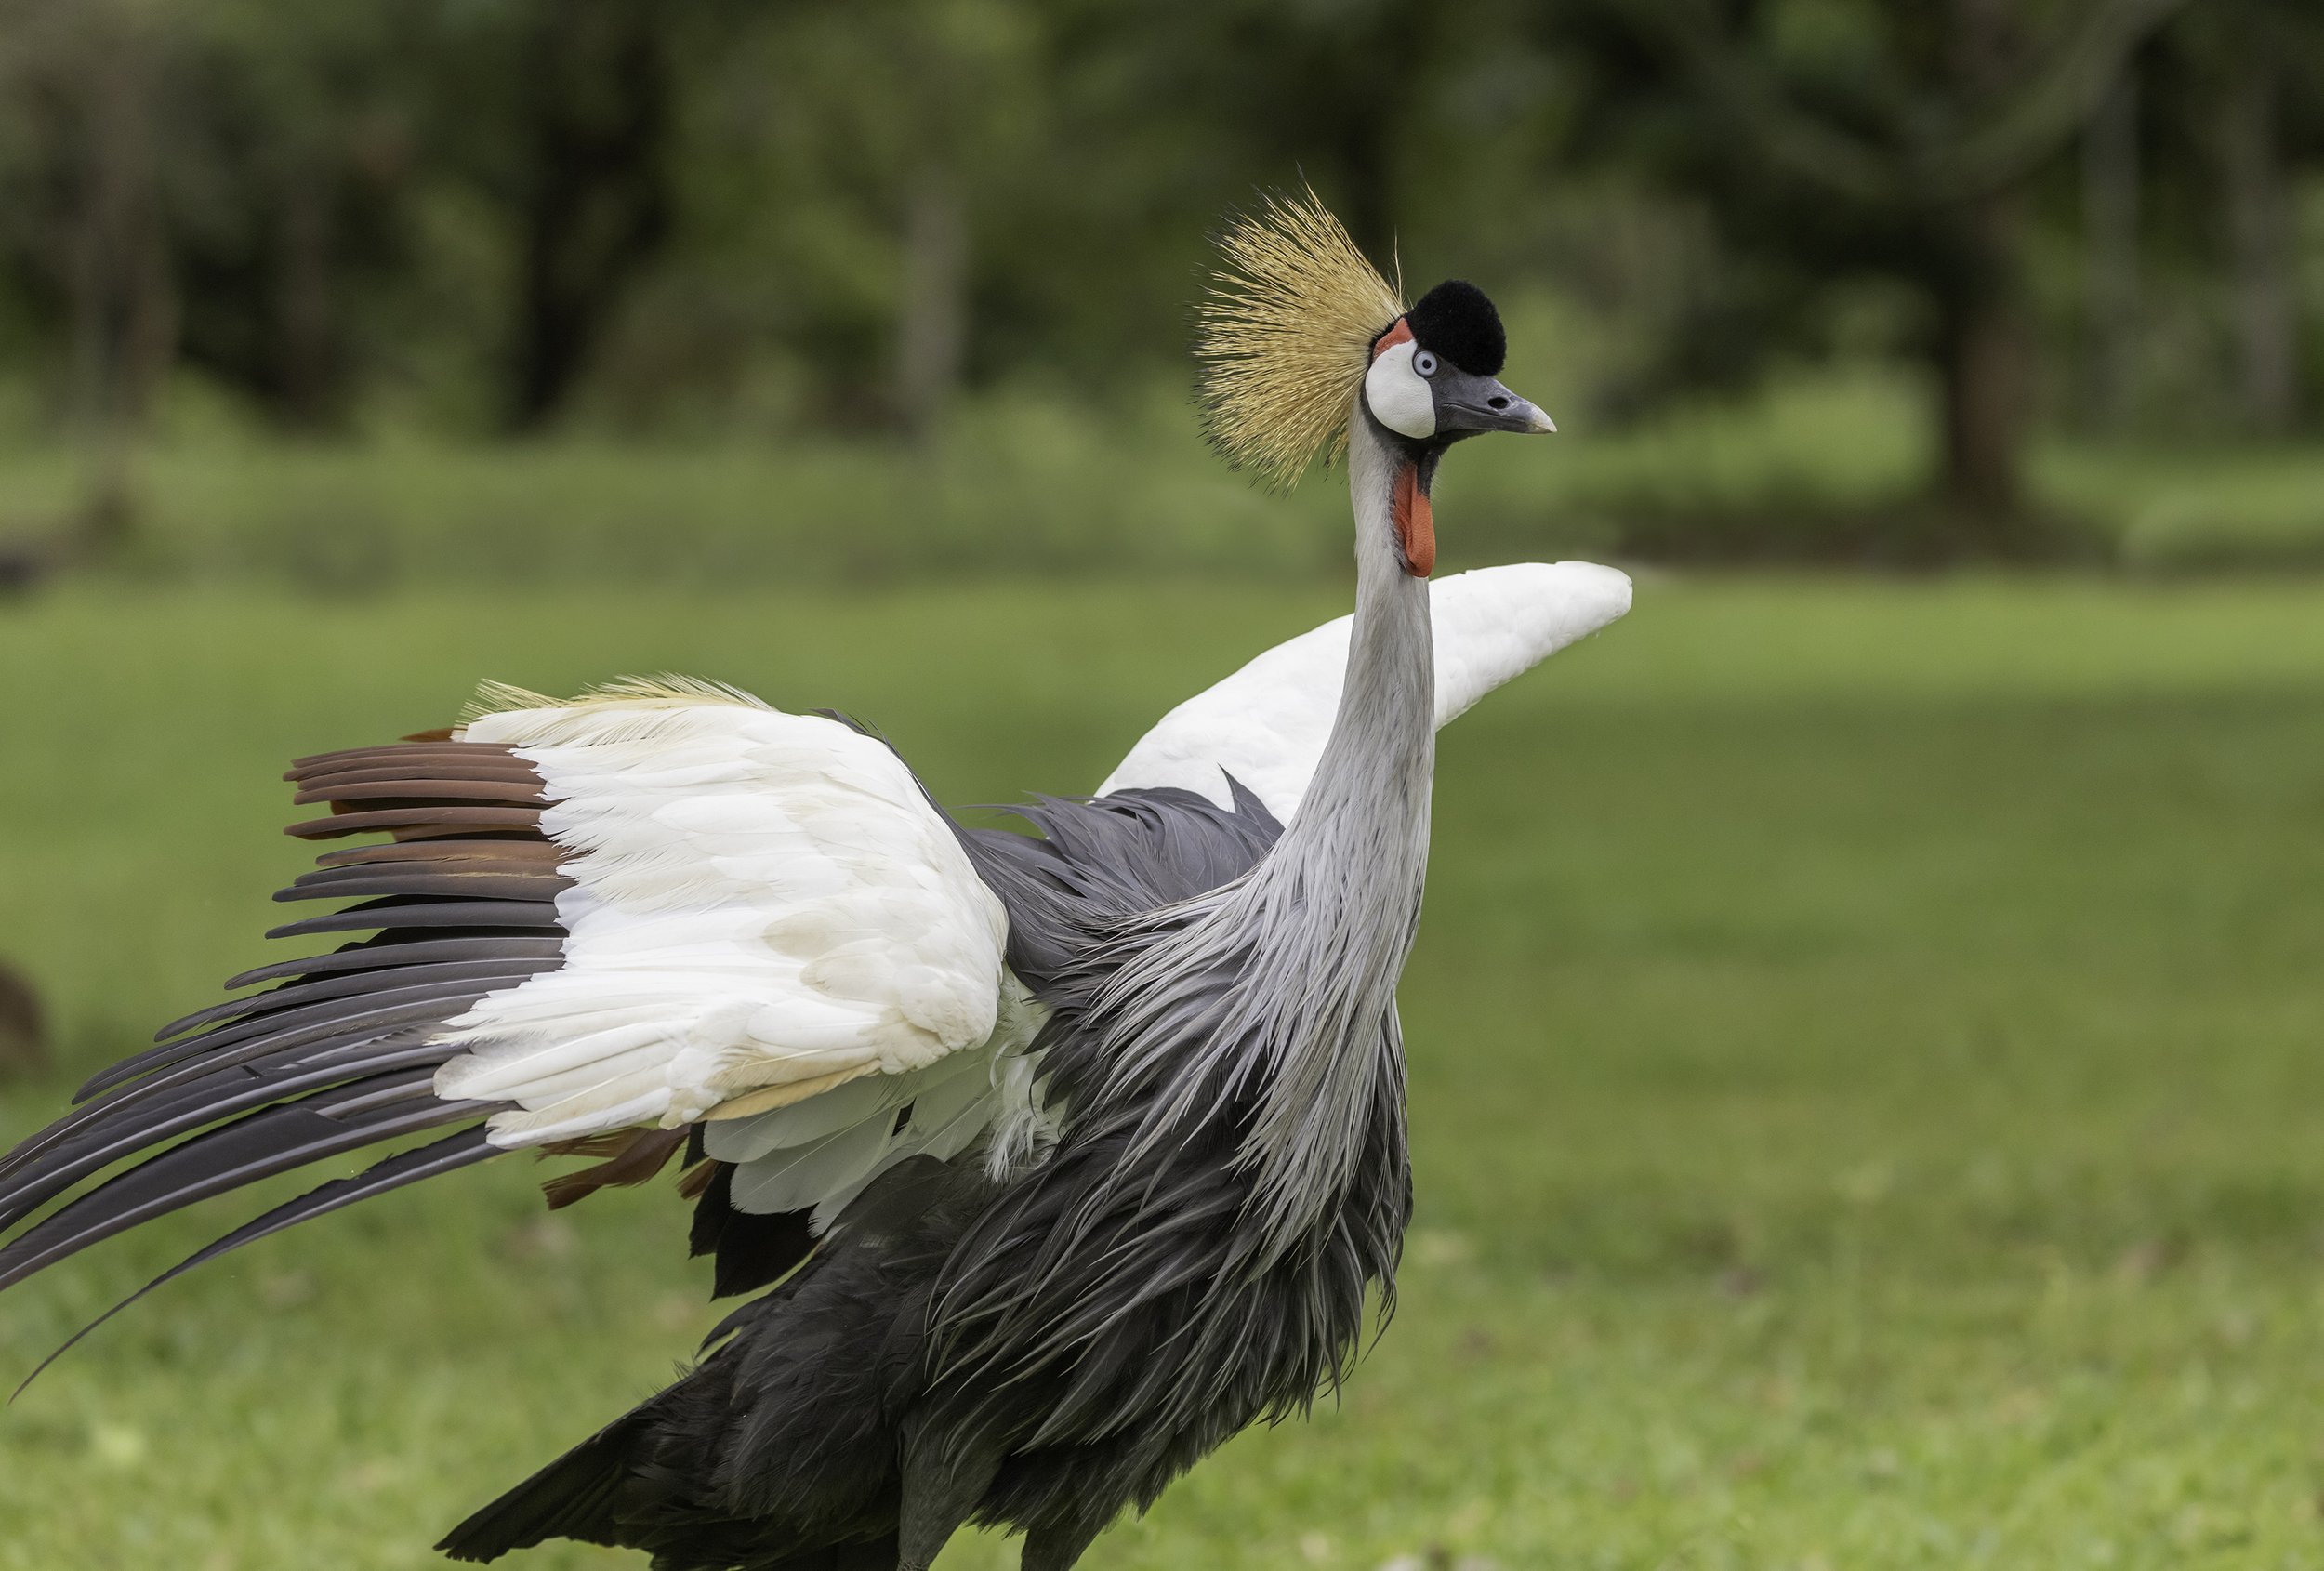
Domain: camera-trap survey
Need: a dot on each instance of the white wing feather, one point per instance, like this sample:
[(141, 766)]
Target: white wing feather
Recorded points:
[(765, 906), (1267, 723)]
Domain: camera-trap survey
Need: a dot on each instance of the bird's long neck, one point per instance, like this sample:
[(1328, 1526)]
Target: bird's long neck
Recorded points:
[(1372, 782), (1332, 910)]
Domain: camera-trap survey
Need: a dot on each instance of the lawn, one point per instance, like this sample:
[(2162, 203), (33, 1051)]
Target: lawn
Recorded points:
[(1867, 1070)]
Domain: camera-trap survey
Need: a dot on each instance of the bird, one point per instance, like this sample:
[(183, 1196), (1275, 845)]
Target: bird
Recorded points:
[(1042, 1159)]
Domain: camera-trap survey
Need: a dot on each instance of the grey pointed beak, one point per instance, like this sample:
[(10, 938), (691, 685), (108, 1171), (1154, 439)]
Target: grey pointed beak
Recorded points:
[(1479, 404)]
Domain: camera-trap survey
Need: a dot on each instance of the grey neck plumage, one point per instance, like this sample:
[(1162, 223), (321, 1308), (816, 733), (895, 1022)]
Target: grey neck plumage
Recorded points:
[(1331, 912), (1374, 775)]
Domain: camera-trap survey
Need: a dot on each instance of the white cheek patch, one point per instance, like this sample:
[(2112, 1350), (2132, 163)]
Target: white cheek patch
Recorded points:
[(1399, 396)]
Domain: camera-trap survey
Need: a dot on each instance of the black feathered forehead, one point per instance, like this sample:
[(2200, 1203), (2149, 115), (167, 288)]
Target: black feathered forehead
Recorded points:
[(1457, 322)]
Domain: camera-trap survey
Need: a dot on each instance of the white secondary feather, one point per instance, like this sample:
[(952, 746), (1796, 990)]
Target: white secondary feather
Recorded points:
[(1267, 723), (765, 907), (823, 1150)]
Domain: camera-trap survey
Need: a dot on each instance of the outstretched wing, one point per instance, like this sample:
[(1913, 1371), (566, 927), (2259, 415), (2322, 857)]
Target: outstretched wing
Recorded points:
[(663, 905), (764, 906), (1266, 724)]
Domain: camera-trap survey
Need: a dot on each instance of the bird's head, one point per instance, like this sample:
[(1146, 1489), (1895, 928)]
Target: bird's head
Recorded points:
[(1431, 383), (1304, 341), (1431, 379)]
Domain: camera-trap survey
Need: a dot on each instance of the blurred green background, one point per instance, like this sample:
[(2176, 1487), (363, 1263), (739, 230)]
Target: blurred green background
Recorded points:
[(434, 290), (1868, 1023)]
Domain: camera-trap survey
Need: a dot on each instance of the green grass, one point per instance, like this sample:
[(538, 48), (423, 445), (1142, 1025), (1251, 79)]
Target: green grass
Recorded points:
[(1867, 1072)]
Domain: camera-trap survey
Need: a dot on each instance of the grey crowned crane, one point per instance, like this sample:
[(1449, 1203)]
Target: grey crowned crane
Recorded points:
[(1054, 1160)]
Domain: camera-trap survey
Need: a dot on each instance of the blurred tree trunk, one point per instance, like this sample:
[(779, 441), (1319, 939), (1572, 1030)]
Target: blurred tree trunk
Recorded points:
[(932, 326), (2259, 228), (23, 1034), (596, 206), (1983, 356), (116, 268), (1983, 360), (306, 371), (2111, 251)]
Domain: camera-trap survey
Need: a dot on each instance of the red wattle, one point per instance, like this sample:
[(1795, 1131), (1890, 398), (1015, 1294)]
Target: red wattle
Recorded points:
[(1416, 525)]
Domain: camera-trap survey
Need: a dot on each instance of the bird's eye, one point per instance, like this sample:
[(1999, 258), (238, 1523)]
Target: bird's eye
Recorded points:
[(1425, 363)]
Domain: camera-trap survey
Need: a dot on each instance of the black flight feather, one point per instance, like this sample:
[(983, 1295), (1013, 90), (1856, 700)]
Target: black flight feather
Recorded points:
[(258, 1146), (397, 912), (488, 975), (399, 949), (363, 881), (314, 1027), (340, 1055), (207, 1101)]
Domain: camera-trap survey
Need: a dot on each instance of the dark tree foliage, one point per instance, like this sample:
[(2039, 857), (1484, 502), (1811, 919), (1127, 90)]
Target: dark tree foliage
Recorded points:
[(593, 191), (499, 214), (293, 168), (1846, 141)]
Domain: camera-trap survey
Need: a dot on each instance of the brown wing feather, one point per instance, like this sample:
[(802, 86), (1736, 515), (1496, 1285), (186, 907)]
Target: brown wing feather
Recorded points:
[(419, 822), (632, 1156), (338, 1054)]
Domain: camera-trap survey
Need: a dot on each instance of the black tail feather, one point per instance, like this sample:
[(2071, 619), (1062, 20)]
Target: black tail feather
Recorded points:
[(210, 1100), (752, 1251), (571, 1497)]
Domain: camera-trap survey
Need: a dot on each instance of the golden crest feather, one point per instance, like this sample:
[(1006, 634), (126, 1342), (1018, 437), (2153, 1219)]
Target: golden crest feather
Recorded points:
[(500, 699), (1284, 335)]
